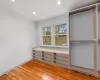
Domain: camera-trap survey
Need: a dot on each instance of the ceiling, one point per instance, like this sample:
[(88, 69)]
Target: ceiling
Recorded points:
[(44, 8)]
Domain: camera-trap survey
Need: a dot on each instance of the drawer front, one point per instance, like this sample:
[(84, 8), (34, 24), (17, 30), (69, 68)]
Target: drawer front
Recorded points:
[(49, 62), (48, 59), (48, 56), (62, 58), (62, 62), (64, 66), (38, 58), (62, 55), (48, 53), (38, 53)]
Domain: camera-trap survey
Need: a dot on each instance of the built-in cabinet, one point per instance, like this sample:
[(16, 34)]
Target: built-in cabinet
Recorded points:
[(57, 57)]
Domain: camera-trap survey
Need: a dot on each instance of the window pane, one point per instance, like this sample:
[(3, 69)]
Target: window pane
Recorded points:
[(47, 31), (61, 40), (61, 29), (46, 40)]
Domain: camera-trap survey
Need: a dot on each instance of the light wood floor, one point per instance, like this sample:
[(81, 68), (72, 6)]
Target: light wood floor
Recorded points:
[(36, 70)]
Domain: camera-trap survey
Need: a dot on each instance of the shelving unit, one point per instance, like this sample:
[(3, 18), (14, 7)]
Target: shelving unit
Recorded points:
[(57, 57), (80, 21), (83, 39)]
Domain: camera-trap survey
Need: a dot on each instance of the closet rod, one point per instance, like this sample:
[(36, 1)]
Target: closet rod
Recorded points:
[(82, 9), (82, 41)]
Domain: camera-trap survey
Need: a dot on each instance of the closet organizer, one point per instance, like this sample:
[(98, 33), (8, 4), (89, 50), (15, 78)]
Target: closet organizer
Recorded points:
[(83, 39)]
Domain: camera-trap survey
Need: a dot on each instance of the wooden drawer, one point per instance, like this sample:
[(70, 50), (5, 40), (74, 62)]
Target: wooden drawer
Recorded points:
[(49, 62), (64, 66), (62, 55), (38, 53), (48, 59), (48, 56), (48, 53), (38, 58), (62, 62), (62, 58)]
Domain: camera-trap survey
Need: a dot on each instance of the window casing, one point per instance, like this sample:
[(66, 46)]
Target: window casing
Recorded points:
[(46, 36), (55, 36), (61, 35)]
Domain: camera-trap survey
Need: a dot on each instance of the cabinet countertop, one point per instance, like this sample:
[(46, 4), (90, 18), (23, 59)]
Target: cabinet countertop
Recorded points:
[(52, 50)]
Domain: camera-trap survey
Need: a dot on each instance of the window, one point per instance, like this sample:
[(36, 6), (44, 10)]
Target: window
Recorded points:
[(55, 36), (61, 35), (47, 36)]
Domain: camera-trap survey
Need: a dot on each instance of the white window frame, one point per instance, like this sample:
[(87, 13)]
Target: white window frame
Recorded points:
[(46, 35), (53, 36)]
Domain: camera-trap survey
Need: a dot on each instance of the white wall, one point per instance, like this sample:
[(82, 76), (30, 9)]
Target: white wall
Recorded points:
[(49, 22), (17, 38)]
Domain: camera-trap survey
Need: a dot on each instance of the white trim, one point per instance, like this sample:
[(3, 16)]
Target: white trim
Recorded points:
[(53, 41), (53, 36), (46, 35), (41, 36), (60, 34), (68, 32)]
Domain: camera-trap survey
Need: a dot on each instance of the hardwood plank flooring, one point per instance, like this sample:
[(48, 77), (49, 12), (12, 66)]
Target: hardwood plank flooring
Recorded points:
[(37, 70)]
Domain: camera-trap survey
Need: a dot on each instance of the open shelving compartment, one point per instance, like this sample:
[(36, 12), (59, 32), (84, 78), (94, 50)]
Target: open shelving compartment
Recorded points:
[(84, 40)]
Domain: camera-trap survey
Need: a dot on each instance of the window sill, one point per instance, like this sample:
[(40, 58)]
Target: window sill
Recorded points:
[(54, 46)]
